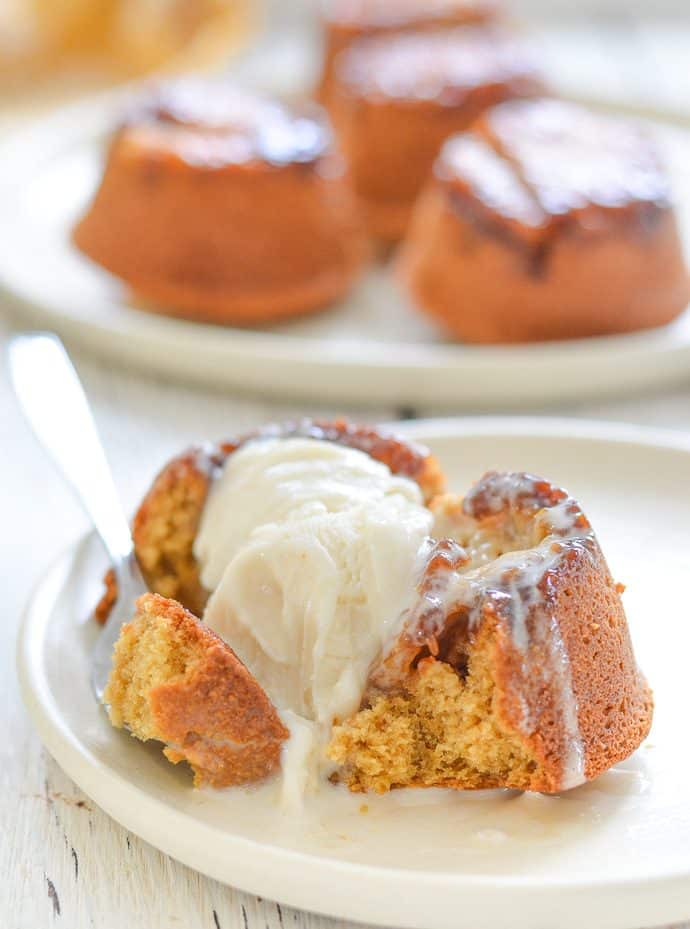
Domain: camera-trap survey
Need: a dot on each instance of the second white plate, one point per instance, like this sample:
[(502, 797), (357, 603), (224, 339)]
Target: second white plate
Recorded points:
[(612, 854), (372, 348)]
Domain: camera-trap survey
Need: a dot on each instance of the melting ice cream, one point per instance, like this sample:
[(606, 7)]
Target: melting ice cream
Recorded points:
[(312, 551)]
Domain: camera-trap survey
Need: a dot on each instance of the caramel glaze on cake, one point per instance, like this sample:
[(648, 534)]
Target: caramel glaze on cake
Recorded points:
[(345, 21), (398, 98), (166, 523), (176, 681), (546, 221), (221, 206), (514, 667)]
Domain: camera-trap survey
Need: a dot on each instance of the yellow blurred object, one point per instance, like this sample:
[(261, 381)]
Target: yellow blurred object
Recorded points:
[(124, 37), (177, 34), (70, 27)]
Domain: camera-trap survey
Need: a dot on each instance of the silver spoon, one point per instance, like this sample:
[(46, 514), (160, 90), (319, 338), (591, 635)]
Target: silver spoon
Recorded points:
[(53, 401)]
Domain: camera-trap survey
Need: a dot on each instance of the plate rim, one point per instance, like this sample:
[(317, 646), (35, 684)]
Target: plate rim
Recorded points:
[(39, 141), (100, 782)]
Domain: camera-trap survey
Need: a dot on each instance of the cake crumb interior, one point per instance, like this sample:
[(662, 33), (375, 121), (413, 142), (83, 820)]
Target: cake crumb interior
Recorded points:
[(149, 652), (164, 542), (440, 729)]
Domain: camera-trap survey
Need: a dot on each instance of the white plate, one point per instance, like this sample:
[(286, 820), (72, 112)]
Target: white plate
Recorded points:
[(611, 854), (373, 348)]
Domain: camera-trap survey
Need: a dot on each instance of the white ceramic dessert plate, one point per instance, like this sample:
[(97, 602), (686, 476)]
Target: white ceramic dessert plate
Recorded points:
[(611, 854), (372, 348)]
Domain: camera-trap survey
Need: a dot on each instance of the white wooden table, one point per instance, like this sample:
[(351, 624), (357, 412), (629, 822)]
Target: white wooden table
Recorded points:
[(62, 861)]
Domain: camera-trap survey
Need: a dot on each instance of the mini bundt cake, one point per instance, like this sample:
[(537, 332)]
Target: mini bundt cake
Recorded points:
[(514, 668), (496, 653), (221, 206), (398, 98), (345, 21), (176, 681), (546, 221)]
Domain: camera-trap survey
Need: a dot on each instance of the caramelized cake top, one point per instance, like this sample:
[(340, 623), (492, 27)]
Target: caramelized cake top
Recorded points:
[(382, 14), (212, 124), (533, 165)]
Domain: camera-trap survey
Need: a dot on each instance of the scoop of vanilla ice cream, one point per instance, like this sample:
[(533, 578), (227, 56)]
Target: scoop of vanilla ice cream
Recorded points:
[(312, 551)]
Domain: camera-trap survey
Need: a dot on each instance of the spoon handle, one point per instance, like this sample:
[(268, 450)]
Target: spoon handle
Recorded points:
[(53, 401)]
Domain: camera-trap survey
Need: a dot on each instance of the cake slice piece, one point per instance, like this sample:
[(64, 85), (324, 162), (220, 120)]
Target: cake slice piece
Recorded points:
[(176, 681)]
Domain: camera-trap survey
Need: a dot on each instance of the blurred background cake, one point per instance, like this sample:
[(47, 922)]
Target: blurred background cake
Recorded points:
[(240, 207), (395, 99), (253, 205), (125, 37), (546, 221)]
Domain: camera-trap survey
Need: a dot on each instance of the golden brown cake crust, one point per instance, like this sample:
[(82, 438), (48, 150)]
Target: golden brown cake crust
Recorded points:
[(213, 715), (167, 520), (613, 698)]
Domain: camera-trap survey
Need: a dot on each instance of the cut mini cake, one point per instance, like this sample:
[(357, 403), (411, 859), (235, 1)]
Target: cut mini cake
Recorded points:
[(515, 666), (407, 637)]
